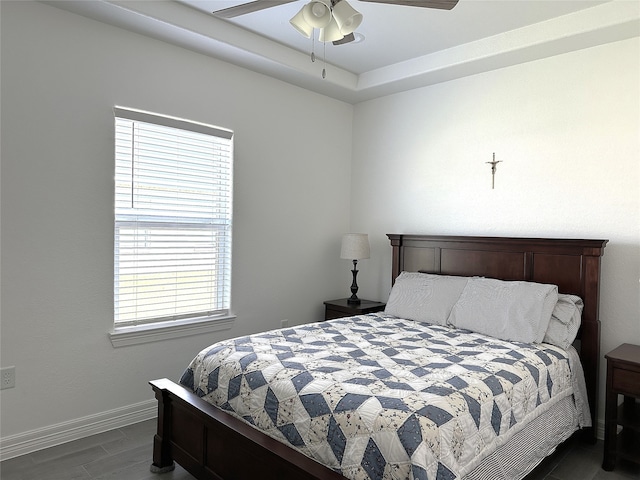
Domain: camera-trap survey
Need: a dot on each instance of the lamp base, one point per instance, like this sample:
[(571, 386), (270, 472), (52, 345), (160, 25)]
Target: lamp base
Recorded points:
[(353, 300)]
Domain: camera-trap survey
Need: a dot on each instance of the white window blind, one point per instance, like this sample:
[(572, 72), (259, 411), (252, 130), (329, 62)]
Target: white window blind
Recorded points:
[(173, 213)]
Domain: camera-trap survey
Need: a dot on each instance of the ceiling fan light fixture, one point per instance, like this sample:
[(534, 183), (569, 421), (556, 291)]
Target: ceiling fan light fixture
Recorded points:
[(347, 17), (331, 32), (298, 22), (316, 14)]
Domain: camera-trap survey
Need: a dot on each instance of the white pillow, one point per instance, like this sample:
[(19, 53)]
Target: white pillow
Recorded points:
[(518, 311), (424, 297), (565, 321)]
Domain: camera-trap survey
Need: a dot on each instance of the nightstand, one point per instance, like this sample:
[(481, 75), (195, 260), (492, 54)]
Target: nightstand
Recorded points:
[(341, 308), (623, 378)]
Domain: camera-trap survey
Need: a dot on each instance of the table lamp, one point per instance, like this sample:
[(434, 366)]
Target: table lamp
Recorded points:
[(355, 246)]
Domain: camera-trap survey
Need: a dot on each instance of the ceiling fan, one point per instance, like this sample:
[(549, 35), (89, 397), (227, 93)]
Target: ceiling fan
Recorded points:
[(335, 19)]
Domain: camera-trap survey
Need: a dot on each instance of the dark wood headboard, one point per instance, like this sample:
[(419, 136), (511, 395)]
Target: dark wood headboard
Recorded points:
[(572, 265)]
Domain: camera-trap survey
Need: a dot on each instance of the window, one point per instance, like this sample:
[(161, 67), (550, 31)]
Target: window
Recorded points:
[(173, 212)]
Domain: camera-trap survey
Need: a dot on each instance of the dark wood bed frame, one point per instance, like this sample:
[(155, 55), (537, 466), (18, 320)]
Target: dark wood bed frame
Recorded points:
[(211, 444)]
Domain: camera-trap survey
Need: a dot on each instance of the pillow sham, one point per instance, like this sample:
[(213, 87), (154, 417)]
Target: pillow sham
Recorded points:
[(424, 297), (565, 321), (517, 311)]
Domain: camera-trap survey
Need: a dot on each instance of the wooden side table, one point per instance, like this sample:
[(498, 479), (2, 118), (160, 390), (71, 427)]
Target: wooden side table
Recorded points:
[(623, 378), (341, 308)]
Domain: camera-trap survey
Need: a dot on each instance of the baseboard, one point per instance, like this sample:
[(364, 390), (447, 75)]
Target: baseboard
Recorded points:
[(34, 440)]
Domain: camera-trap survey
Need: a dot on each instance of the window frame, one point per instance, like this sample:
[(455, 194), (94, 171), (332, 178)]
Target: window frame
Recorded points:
[(133, 332)]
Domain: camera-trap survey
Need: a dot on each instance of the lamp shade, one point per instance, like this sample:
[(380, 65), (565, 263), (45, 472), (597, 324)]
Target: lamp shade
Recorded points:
[(331, 32), (355, 246), (347, 17), (299, 23), (316, 14)]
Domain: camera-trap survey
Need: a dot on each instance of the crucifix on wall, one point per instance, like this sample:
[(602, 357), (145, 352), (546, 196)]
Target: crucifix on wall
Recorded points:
[(493, 164)]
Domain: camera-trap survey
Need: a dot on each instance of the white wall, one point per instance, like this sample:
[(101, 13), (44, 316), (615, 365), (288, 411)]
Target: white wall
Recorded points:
[(61, 76), (567, 129)]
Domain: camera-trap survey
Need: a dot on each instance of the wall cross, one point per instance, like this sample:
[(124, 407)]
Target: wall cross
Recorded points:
[(493, 164)]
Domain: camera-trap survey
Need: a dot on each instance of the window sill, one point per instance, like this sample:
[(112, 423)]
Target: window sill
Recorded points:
[(138, 334)]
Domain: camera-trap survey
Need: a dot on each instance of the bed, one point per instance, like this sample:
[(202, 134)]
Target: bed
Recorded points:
[(222, 443)]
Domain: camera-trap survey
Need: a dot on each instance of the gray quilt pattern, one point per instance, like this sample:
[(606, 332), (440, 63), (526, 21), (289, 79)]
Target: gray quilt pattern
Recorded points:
[(378, 397)]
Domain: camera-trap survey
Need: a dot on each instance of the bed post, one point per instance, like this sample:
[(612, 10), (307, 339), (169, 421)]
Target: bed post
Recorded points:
[(396, 252), (162, 459), (590, 335)]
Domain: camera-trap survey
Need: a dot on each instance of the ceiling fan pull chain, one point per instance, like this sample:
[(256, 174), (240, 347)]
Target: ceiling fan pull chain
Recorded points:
[(324, 60), (313, 47)]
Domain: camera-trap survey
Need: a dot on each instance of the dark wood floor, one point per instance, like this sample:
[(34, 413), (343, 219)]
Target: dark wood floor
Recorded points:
[(125, 454)]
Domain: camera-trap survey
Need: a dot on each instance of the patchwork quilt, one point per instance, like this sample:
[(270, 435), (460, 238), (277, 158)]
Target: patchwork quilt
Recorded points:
[(379, 397)]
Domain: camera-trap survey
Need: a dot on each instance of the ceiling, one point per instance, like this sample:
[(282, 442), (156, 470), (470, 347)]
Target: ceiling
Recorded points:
[(395, 33), (404, 47)]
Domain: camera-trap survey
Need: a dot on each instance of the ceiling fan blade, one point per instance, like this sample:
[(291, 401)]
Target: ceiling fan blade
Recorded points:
[(441, 4), (346, 39), (249, 8)]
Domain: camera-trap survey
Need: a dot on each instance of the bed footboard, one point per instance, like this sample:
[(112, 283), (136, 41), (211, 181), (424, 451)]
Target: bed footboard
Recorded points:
[(211, 444)]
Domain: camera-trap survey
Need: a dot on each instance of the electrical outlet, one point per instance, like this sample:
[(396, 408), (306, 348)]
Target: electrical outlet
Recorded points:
[(8, 376), (284, 323)]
